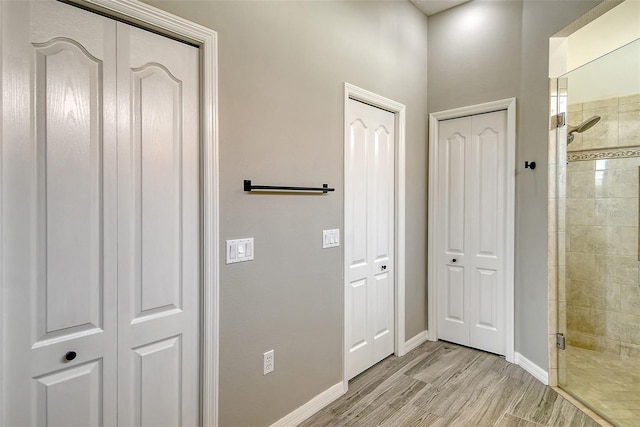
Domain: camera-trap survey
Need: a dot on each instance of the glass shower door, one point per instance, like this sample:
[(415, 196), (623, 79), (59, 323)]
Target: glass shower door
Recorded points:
[(598, 188)]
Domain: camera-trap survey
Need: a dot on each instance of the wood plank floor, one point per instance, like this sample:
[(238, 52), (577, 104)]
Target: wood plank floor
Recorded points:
[(443, 384)]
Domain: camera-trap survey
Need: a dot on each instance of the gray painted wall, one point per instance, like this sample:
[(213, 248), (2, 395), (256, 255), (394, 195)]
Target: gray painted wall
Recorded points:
[(282, 66), (281, 70), (487, 50)]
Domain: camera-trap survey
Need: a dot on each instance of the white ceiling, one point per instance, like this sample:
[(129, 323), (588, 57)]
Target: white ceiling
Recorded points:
[(429, 7)]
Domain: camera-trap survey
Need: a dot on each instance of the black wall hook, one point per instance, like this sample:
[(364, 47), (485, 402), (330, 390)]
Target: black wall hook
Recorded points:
[(530, 165)]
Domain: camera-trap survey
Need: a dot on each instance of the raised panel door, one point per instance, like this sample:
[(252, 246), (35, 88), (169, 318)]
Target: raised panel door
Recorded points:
[(59, 211), (100, 218), (369, 236), (487, 184), (453, 293), (381, 206), (471, 207), (159, 279), (356, 244)]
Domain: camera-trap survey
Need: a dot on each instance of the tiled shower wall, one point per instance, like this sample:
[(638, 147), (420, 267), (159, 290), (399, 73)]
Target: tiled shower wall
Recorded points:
[(602, 268)]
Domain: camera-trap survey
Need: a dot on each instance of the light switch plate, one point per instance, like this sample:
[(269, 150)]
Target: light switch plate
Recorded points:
[(239, 250), (330, 238)]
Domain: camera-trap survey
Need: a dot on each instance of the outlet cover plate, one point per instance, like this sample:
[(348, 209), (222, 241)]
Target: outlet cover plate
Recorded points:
[(268, 362)]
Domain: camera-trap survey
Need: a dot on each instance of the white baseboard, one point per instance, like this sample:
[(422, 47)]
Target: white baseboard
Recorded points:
[(415, 342), (311, 407), (535, 370)]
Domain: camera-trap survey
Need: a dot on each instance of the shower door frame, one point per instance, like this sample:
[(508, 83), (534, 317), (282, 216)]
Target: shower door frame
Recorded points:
[(557, 172), (563, 59)]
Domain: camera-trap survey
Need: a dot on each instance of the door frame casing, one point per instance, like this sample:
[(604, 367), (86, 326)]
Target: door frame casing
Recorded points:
[(432, 292), (399, 111), (157, 20), (2, 284)]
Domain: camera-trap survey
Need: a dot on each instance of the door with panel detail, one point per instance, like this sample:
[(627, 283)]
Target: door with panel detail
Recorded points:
[(369, 236), (158, 253), (471, 238), (73, 222), (59, 213)]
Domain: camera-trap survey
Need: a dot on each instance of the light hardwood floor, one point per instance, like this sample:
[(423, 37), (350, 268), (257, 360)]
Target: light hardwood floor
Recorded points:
[(443, 384)]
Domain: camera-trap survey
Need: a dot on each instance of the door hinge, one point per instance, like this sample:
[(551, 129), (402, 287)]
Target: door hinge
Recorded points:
[(557, 121), (560, 341)]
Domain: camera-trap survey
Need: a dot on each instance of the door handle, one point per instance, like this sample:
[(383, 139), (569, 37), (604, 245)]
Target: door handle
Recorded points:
[(70, 356), (454, 260), (384, 267)]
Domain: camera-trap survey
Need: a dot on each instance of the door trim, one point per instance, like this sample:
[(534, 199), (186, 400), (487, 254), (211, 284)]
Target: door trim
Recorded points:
[(2, 284), (432, 293), (151, 18), (399, 110)]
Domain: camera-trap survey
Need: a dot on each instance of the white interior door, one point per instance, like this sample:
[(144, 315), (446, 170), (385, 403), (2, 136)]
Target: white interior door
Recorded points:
[(59, 214), (369, 236), (471, 239), (158, 213), (66, 208)]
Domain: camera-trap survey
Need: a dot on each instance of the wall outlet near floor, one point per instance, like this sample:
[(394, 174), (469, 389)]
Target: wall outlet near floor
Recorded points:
[(268, 359)]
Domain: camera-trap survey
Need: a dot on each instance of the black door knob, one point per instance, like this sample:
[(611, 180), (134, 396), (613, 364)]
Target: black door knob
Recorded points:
[(454, 260), (70, 356), (384, 267)]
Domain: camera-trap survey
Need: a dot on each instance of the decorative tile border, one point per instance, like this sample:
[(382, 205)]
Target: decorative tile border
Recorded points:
[(577, 156)]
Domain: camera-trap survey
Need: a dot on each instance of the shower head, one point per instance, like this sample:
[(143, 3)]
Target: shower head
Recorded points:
[(587, 124)]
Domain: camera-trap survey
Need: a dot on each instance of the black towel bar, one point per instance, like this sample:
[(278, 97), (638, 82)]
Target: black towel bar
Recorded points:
[(248, 187)]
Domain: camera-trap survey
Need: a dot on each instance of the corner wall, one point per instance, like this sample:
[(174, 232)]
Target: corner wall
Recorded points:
[(282, 68), (483, 51)]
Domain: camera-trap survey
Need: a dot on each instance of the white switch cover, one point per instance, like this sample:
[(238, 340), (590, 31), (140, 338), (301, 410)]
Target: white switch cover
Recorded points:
[(239, 250), (330, 238)]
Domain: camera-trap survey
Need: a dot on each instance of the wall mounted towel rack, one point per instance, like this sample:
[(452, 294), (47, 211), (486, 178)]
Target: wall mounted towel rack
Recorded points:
[(249, 187)]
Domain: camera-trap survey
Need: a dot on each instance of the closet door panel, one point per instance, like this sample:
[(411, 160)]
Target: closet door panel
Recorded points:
[(159, 258), (471, 208), (100, 210), (369, 236), (59, 214), (453, 234)]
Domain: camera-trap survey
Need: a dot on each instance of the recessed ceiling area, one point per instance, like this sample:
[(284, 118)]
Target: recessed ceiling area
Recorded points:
[(430, 7)]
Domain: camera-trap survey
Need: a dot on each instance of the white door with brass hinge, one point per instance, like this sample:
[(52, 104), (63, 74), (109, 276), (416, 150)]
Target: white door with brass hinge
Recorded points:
[(100, 210)]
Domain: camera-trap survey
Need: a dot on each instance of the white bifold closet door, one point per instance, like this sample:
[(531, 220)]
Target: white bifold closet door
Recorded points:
[(100, 211), (369, 236), (471, 241), (158, 233)]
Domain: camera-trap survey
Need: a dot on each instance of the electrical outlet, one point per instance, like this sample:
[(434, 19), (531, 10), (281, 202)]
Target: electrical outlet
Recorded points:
[(269, 360)]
